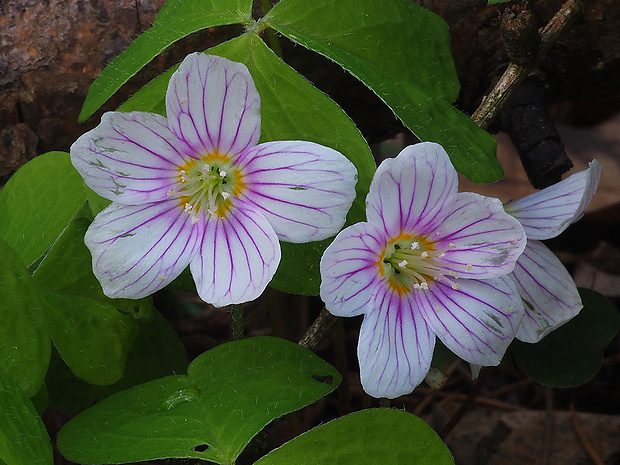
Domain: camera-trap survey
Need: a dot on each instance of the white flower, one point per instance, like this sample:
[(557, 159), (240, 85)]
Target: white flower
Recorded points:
[(194, 188)]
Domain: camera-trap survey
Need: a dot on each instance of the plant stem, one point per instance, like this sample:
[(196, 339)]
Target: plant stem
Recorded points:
[(272, 38), (319, 329), (493, 103), (237, 321)]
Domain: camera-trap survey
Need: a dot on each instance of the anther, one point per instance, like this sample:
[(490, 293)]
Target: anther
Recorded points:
[(415, 245), (424, 255), (403, 263)]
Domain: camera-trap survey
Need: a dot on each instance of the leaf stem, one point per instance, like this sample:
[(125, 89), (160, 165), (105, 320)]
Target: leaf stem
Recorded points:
[(237, 321)]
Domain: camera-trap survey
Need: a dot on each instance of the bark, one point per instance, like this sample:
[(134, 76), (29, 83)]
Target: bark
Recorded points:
[(51, 50)]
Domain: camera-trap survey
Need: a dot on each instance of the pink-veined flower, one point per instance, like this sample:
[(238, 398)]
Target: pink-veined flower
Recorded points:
[(195, 188), (429, 262), (547, 289)]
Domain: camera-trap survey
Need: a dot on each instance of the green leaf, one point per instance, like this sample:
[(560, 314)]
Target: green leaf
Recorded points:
[(92, 332), (156, 352), (92, 336), (96, 203), (495, 2), (572, 354), (177, 19), (385, 436), (291, 109), (23, 437), (38, 202), (24, 335), (403, 53), (231, 392)]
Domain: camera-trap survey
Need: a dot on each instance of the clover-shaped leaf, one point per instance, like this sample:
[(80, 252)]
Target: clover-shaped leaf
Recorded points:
[(229, 394), (402, 52), (385, 436)]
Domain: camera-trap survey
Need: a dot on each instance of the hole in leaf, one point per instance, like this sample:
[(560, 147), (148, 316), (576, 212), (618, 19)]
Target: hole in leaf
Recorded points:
[(329, 379), (201, 448)]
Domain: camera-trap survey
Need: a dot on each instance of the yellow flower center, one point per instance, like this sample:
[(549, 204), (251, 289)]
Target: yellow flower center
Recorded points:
[(412, 263), (207, 186)]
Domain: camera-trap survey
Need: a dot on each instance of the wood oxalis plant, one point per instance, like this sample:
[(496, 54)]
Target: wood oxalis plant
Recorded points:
[(232, 168)]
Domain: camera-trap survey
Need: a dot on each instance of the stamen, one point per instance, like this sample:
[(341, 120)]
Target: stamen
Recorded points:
[(206, 186), (414, 265)]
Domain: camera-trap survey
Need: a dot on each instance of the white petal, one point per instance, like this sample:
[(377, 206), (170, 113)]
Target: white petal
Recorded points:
[(412, 191), (349, 271), (395, 347), (478, 321), (550, 295), (304, 189), (212, 105), (137, 250), (479, 238), (130, 158), (237, 258), (548, 212)]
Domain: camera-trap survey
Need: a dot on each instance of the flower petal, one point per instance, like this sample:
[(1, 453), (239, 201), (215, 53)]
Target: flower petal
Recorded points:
[(304, 189), (237, 258), (548, 212), (349, 272), (478, 321), (480, 239), (412, 191), (129, 158), (550, 294), (395, 347), (137, 250), (212, 105)]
